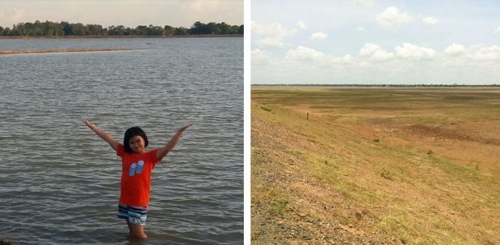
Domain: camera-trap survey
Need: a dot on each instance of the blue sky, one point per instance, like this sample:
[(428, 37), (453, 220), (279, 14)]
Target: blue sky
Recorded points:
[(129, 13), (375, 42)]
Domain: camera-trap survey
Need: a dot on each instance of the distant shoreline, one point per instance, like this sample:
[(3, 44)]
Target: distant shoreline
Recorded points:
[(118, 36), (354, 86)]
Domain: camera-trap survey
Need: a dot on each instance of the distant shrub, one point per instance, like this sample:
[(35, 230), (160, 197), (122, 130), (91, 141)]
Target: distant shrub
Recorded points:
[(403, 240), (359, 214), (376, 140), (386, 174), (429, 153), (279, 207), (265, 108)]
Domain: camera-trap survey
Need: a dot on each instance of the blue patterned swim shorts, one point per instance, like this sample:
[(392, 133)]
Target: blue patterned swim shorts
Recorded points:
[(134, 215)]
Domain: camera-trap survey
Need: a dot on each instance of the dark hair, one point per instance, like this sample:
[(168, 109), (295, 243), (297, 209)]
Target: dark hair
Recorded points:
[(131, 132)]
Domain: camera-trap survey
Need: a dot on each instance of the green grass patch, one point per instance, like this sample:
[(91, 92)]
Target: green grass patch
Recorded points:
[(279, 207), (265, 108)]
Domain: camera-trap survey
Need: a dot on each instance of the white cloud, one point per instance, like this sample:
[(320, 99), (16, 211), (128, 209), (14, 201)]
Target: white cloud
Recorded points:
[(368, 49), (305, 53), (129, 13), (318, 36), (259, 56), (273, 34), (307, 65), (430, 21), (407, 50), (271, 30), (392, 17), (200, 6), (346, 59), (374, 52), (17, 14), (393, 43), (486, 53), (454, 49), (497, 31), (270, 43), (301, 24), (14, 16)]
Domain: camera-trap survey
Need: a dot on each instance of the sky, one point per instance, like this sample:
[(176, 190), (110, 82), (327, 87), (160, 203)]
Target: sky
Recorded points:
[(129, 13), (375, 42)]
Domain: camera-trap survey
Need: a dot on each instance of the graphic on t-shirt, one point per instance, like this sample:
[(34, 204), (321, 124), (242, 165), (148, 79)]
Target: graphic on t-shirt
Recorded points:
[(132, 169), (140, 165), (136, 168)]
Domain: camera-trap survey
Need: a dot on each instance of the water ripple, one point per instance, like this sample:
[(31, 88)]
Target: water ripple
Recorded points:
[(60, 183)]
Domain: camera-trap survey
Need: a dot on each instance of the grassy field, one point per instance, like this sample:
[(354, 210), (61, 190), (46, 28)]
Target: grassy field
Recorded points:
[(375, 165)]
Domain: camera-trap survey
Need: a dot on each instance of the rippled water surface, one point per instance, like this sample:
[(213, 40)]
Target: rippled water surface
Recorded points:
[(59, 182)]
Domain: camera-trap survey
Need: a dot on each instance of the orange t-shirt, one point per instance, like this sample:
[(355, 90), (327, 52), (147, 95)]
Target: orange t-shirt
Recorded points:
[(136, 176)]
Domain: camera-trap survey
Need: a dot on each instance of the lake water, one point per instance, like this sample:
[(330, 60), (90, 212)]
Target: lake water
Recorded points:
[(59, 182)]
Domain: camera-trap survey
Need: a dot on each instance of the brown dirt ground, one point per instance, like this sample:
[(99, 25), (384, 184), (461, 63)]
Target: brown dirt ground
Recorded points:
[(309, 218), (291, 206)]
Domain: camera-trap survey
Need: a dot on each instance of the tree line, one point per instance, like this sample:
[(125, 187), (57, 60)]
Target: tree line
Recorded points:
[(379, 85), (64, 28)]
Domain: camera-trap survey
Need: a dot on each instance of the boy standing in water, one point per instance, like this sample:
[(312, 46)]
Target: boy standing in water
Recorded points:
[(137, 165)]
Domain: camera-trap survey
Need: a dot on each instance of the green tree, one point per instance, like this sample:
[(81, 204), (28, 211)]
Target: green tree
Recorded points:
[(212, 28), (14, 31), (155, 30), (50, 29), (64, 28), (6, 31), (130, 31), (181, 31), (79, 29), (169, 31), (20, 30), (141, 30), (35, 29), (67, 28), (112, 30), (199, 28), (96, 30), (225, 28)]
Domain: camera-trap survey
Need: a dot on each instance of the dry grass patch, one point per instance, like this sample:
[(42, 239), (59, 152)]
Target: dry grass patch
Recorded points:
[(359, 170)]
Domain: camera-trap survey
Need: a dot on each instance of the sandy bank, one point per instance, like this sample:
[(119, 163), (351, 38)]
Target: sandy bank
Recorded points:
[(41, 51)]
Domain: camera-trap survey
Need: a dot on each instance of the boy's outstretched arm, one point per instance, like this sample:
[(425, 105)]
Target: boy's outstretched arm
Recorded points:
[(163, 151), (103, 134)]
